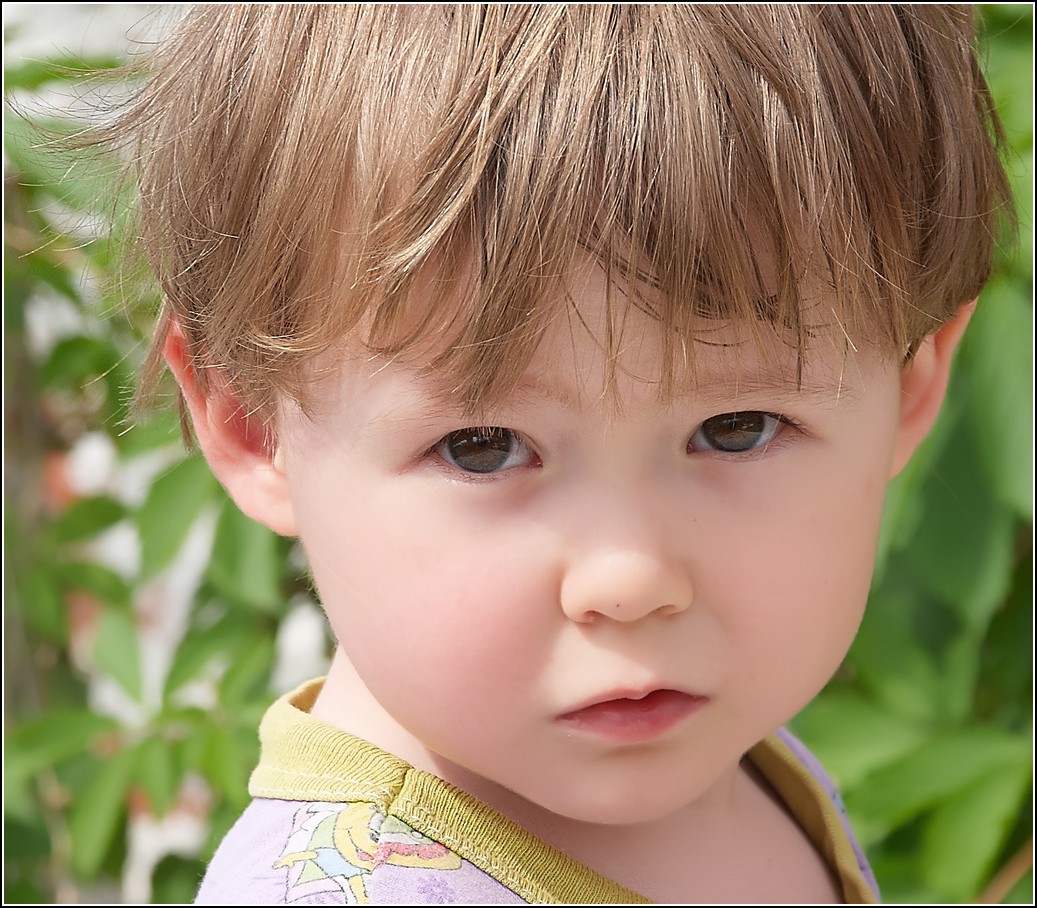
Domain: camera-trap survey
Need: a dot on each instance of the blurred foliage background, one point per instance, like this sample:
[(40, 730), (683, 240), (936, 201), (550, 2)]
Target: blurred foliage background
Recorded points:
[(148, 624)]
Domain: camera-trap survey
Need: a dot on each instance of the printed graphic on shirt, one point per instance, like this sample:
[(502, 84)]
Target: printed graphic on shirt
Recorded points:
[(333, 851)]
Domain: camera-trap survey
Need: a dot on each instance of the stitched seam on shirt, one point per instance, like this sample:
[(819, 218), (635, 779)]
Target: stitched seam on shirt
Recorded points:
[(446, 838)]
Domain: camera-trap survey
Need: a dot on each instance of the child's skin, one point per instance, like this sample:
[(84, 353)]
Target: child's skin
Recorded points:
[(609, 552)]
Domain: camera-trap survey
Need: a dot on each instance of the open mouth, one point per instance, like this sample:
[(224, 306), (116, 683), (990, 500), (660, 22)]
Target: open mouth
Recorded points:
[(632, 719)]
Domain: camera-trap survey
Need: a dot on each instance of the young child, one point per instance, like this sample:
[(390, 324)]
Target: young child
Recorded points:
[(577, 345)]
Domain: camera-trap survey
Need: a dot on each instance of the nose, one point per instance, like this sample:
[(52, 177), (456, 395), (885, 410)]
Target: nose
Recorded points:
[(624, 583)]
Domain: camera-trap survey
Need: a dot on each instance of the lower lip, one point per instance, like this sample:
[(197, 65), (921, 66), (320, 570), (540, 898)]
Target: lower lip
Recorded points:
[(629, 721)]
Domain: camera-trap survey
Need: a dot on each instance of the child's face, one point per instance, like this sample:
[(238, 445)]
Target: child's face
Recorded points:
[(484, 594)]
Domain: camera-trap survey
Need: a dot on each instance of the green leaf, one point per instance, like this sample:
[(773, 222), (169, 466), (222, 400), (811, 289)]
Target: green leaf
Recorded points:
[(905, 676), (176, 880), (221, 641), (896, 870), (87, 518), (40, 268), (23, 891), (55, 736), (97, 811), (21, 799), (39, 600), (117, 649), (1018, 260), (903, 508), (76, 360), (247, 672), (967, 832), (999, 352), (194, 746), (173, 504), (942, 766), (959, 664), (225, 767), (1009, 32), (93, 578), (24, 839), (247, 561), (27, 854), (159, 430), (963, 548), (1005, 693), (156, 773), (853, 736), (916, 654), (901, 514)]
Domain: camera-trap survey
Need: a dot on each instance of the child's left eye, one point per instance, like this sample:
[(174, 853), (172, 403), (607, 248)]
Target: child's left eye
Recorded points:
[(484, 450), (735, 433)]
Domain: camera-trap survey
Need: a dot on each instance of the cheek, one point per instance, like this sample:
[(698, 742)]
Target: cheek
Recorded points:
[(408, 583), (811, 577)]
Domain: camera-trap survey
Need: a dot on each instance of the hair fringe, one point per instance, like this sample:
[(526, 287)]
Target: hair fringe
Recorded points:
[(421, 180)]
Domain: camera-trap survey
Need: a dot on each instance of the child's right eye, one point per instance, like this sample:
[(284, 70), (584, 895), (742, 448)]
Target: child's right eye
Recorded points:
[(485, 450)]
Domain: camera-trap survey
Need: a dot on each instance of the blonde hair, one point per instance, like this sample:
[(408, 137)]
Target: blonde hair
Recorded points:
[(421, 177)]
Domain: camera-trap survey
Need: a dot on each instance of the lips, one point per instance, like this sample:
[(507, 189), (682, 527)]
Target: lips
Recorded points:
[(634, 718)]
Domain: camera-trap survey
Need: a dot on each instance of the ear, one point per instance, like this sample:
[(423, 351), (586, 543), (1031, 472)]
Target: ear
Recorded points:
[(923, 385), (236, 447)]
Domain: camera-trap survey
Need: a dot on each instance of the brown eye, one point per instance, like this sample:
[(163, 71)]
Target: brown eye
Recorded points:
[(732, 433), (483, 450)]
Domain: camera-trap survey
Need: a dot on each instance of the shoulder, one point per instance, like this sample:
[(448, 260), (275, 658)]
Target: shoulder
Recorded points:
[(243, 871)]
